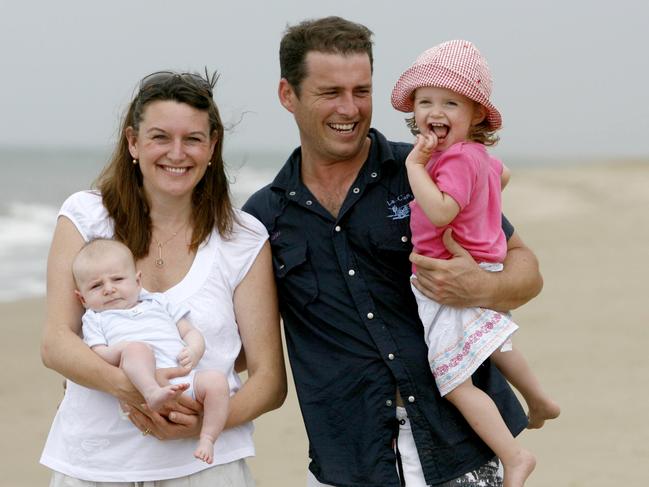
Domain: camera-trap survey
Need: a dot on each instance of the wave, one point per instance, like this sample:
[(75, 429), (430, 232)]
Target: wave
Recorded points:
[(25, 234)]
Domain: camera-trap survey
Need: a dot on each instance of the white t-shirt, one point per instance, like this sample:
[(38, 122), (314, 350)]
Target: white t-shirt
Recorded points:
[(153, 320), (89, 438)]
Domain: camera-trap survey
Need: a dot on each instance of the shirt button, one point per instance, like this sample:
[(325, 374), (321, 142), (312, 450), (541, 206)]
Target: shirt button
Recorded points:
[(404, 239), (411, 398), (391, 356), (356, 190), (309, 202), (351, 272), (292, 193), (370, 316), (388, 402), (373, 174), (337, 228)]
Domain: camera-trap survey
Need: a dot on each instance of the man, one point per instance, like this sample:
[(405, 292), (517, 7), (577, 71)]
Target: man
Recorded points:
[(337, 215)]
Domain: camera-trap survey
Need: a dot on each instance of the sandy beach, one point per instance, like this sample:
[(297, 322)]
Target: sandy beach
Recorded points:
[(585, 336)]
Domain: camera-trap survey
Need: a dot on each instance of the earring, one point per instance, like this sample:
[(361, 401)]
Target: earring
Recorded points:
[(209, 163), (134, 162)]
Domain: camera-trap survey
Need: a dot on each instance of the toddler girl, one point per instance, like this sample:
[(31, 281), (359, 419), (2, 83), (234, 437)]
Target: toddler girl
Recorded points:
[(457, 185)]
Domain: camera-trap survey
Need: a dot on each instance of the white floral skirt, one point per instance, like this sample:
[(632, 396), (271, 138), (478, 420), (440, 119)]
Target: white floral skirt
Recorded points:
[(459, 340)]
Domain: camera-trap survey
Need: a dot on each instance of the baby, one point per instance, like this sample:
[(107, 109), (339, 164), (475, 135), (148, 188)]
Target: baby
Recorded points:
[(140, 331)]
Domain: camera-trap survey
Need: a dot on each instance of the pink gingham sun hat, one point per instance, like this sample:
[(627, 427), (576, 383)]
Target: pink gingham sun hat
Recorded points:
[(455, 65)]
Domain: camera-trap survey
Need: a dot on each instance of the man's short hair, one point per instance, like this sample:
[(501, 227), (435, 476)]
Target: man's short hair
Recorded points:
[(330, 35)]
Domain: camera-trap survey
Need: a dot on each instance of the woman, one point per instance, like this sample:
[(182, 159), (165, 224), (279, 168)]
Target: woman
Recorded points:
[(165, 195)]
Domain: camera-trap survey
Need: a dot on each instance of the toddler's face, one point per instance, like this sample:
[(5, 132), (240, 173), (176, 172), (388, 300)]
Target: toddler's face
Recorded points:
[(445, 113), (109, 283)]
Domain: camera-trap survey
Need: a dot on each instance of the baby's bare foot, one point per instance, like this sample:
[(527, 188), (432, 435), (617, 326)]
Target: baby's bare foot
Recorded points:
[(518, 468), (541, 411), (205, 450), (158, 397)]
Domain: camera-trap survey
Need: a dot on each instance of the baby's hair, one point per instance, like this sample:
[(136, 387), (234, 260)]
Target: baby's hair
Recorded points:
[(478, 133), (95, 249)]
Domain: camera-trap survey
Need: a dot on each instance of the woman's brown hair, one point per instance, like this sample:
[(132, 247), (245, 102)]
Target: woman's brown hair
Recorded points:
[(120, 182)]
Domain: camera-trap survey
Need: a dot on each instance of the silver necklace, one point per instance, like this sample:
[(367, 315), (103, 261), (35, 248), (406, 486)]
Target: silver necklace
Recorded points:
[(159, 262)]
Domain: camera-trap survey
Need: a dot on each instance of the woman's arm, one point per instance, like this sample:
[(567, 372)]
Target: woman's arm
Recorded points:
[(459, 281), (62, 348), (255, 306)]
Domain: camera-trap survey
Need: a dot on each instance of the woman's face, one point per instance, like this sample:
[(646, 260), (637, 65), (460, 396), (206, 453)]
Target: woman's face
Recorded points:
[(173, 146)]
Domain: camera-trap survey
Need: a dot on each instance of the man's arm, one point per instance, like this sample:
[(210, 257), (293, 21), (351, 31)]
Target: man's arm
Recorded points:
[(460, 282), (505, 176)]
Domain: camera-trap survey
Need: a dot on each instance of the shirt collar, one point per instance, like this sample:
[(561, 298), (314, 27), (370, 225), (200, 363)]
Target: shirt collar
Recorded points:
[(379, 158)]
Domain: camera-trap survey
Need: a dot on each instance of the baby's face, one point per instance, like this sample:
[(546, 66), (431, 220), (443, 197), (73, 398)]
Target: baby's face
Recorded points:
[(445, 113), (109, 283)]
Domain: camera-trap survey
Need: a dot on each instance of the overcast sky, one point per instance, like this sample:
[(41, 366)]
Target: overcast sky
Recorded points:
[(571, 78)]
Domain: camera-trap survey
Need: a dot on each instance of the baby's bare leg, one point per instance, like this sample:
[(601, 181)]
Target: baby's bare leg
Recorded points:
[(483, 416), (517, 371), (212, 391), (138, 363)]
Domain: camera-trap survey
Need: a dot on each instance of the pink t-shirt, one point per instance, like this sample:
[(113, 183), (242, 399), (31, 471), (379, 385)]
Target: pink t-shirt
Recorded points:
[(467, 173)]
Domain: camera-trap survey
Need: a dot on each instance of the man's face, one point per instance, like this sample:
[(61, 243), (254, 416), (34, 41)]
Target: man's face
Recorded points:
[(334, 109)]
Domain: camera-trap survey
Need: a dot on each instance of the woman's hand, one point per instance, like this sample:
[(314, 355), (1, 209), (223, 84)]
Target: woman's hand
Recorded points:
[(184, 421)]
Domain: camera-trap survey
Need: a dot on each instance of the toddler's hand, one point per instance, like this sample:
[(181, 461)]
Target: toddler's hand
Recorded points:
[(186, 358), (424, 147)]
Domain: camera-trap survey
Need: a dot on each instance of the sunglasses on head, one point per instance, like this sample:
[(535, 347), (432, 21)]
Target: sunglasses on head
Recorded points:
[(197, 80)]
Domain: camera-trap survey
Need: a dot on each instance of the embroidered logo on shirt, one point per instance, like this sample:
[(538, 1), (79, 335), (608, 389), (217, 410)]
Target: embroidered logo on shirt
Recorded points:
[(398, 207)]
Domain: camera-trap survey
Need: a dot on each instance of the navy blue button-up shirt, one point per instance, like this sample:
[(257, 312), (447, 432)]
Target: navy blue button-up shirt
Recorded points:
[(352, 329)]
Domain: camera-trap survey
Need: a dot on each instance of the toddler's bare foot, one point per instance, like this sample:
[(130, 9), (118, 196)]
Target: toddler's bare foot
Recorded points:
[(205, 450), (159, 396), (518, 468), (541, 411)]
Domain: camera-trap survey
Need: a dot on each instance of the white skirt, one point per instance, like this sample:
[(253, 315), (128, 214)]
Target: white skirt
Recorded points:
[(459, 340)]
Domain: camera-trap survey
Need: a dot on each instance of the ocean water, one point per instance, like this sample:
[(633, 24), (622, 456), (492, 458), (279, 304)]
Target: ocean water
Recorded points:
[(34, 184), (36, 181)]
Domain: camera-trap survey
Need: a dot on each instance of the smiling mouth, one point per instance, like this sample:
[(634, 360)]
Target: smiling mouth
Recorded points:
[(440, 129), (343, 128), (175, 170)]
